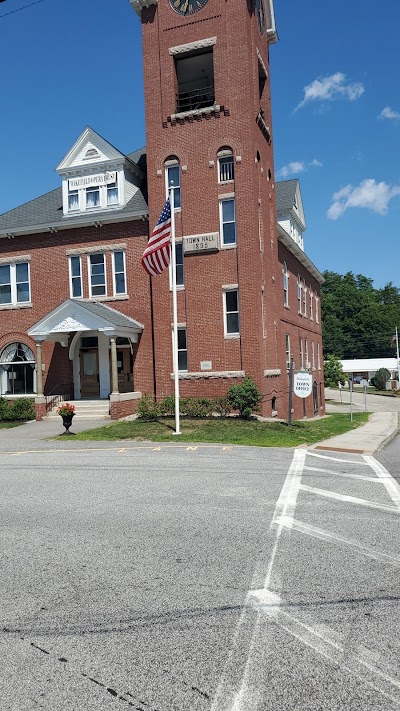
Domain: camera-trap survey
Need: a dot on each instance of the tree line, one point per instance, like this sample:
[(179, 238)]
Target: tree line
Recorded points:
[(358, 321)]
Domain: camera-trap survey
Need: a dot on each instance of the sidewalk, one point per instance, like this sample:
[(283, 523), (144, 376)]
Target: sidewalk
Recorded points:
[(381, 428)]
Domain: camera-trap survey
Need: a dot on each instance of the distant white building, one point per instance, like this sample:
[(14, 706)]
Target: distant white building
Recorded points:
[(365, 368)]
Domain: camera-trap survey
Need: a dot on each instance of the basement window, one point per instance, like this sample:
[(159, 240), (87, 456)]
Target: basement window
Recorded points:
[(195, 80)]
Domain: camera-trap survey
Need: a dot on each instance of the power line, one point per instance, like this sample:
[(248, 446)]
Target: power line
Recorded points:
[(20, 8)]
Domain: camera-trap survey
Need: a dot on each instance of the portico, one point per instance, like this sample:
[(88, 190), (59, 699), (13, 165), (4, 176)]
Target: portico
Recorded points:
[(102, 345)]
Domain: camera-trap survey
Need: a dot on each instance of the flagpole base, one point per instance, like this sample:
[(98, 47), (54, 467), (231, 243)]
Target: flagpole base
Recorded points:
[(177, 433)]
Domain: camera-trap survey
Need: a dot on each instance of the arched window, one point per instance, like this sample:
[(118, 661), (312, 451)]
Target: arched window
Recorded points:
[(17, 364), (226, 173), (285, 284), (173, 177)]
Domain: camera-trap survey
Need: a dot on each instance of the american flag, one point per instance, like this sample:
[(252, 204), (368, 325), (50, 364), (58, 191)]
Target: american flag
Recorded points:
[(156, 256)]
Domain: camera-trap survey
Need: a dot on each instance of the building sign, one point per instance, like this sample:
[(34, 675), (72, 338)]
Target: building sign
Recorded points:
[(206, 365), (201, 243), (87, 181), (302, 386)]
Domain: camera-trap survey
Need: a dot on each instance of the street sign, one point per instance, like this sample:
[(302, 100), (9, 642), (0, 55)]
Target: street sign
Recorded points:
[(302, 386)]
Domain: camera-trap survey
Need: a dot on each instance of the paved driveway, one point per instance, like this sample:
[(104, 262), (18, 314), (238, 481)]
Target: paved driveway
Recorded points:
[(197, 578), (375, 403)]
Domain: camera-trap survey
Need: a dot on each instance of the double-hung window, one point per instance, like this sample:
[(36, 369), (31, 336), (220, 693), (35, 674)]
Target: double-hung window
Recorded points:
[(75, 271), (73, 200), (285, 285), (311, 305), (306, 353), (182, 349), (173, 177), (119, 272), (318, 357), (112, 194), (312, 355), (180, 276), (231, 312), (93, 196), (97, 275), (227, 222), (14, 283), (317, 309), (299, 294), (304, 300), (301, 353), (287, 349)]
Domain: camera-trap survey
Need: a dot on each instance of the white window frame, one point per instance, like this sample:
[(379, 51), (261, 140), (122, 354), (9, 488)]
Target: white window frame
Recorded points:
[(75, 256), (13, 283), (299, 294), (96, 296), (224, 156), (318, 357), (114, 273), (225, 291), (112, 186), (183, 350), (301, 352), (264, 332), (87, 191), (312, 355), (168, 165), (229, 245), (316, 309), (74, 192), (287, 350), (304, 299), (179, 287), (311, 305), (307, 362), (285, 288)]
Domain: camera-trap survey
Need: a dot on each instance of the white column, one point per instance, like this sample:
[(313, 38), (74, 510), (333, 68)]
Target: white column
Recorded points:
[(114, 368)]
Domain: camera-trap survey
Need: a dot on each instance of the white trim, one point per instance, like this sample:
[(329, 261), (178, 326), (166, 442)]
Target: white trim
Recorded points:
[(192, 46), (221, 199), (122, 293), (233, 334), (90, 274), (70, 276)]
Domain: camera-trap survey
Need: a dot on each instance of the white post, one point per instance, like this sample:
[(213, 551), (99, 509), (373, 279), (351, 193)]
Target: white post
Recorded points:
[(174, 309), (397, 348), (351, 398)]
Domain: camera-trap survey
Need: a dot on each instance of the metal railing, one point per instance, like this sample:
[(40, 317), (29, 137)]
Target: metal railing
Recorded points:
[(60, 393), (198, 98)]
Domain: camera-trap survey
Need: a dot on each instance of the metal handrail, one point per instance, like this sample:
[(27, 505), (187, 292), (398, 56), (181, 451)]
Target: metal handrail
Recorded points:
[(54, 398), (198, 98)]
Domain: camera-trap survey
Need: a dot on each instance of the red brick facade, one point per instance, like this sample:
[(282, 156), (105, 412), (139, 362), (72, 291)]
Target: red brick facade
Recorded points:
[(253, 265)]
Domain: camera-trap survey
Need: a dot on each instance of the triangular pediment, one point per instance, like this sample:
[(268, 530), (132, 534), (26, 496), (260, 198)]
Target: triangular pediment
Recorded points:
[(73, 316), (89, 150)]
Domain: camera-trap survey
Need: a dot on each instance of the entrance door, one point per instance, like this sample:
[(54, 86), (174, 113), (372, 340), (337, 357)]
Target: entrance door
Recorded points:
[(90, 385), (125, 368), (315, 397)]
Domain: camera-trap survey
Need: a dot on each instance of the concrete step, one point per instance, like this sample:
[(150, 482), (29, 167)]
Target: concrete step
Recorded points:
[(87, 409)]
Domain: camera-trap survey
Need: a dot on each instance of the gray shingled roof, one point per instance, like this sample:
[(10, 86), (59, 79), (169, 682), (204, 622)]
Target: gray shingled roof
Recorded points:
[(285, 194), (112, 315)]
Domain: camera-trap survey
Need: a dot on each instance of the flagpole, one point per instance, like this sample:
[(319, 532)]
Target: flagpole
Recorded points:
[(174, 309)]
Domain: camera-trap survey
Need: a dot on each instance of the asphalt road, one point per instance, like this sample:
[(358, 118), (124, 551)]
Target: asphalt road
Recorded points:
[(340, 401), (180, 578)]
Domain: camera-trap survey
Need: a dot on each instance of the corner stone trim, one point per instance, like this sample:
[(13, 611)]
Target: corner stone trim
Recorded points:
[(98, 249), (273, 373), (211, 374)]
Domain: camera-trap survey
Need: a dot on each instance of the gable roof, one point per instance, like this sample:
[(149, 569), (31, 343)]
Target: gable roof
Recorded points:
[(285, 195)]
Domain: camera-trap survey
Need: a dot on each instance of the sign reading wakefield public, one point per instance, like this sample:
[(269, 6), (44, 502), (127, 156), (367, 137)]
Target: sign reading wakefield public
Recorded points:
[(302, 386), (88, 180), (201, 243)]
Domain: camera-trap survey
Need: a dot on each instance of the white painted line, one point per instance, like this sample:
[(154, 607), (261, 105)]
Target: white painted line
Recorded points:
[(334, 459), (350, 499), (233, 693), (392, 486), (331, 645), (322, 535), (344, 474)]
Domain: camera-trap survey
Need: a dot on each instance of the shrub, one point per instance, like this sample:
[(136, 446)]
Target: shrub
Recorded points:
[(380, 378), (196, 407), (147, 408), (222, 406), (16, 410), (245, 397), (167, 406)]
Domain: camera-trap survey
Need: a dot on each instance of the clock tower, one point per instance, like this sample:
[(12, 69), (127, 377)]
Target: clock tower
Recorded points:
[(209, 130)]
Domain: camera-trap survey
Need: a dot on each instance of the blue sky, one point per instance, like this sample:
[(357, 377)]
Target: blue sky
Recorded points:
[(336, 110)]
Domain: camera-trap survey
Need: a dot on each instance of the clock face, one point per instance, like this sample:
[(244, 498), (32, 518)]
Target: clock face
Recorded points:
[(187, 7), (260, 15)]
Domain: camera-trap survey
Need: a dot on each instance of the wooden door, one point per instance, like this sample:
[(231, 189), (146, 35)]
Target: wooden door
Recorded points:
[(90, 385)]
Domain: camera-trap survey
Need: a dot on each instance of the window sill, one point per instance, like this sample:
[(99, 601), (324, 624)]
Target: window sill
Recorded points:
[(181, 287), (196, 112), (232, 336), (120, 297), (286, 306), (7, 307), (228, 246)]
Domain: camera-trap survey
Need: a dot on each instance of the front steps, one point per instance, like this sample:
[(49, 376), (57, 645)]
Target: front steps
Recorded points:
[(87, 409)]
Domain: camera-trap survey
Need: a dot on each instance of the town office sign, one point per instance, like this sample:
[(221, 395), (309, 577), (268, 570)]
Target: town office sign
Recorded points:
[(88, 181), (201, 243), (302, 386)]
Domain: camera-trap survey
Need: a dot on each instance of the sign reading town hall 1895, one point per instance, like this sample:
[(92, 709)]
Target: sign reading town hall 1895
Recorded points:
[(201, 243)]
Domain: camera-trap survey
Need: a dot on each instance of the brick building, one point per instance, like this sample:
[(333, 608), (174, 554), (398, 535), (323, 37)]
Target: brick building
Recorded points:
[(79, 316)]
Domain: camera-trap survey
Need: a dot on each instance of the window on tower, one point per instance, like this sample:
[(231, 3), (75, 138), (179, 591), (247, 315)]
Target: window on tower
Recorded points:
[(226, 172), (173, 177), (195, 79), (262, 78)]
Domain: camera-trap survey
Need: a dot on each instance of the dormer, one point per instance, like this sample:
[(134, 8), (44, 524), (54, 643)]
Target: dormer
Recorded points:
[(289, 207), (96, 177)]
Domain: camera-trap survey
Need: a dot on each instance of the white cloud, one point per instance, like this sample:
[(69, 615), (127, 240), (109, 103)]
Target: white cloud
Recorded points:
[(296, 167), (375, 196), (388, 113), (330, 88)]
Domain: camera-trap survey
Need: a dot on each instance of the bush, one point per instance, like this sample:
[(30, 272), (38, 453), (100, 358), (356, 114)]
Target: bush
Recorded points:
[(147, 408), (380, 379), (222, 406), (245, 397), (188, 407), (16, 410)]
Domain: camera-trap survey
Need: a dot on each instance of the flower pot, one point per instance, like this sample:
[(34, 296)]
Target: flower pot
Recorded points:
[(67, 422)]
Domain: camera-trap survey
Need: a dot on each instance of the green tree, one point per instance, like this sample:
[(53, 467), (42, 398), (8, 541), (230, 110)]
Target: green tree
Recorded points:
[(245, 397), (333, 372), (380, 379)]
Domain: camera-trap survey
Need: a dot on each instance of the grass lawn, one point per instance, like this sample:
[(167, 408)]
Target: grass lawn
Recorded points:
[(6, 425), (227, 431)]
